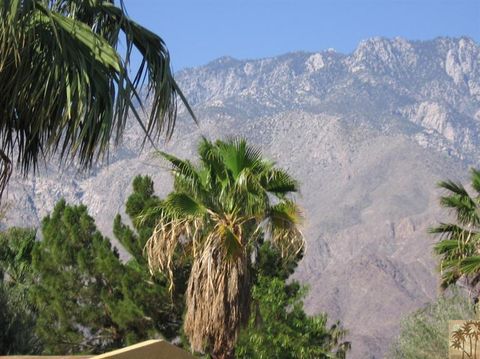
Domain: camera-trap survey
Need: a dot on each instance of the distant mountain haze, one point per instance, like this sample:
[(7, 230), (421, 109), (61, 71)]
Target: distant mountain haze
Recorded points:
[(367, 134)]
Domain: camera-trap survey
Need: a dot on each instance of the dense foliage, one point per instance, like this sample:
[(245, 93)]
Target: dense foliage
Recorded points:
[(88, 300), (424, 334), (165, 309), (278, 326), (281, 329), (17, 314), (82, 288)]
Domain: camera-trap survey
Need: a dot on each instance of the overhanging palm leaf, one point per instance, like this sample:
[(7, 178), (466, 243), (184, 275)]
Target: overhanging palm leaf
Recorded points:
[(65, 87), (459, 245), (217, 214)]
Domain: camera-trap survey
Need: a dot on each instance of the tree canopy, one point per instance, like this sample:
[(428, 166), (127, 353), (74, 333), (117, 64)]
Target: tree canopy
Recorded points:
[(17, 313), (278, 326), (89, 301)]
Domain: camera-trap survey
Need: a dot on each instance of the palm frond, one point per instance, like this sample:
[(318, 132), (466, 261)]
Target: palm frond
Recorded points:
[(66, 89), (283, 224), (464, 207), (180, 205), (186, 175), (470, 265), (447, 246), (233, 153), (446, 229), (154, 71), (454, 187), (475, 179), (459, 245), (167, 236), (279, 182)]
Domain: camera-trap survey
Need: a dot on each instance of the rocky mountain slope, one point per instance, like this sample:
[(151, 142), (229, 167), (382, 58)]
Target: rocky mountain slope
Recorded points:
[(368, 135)]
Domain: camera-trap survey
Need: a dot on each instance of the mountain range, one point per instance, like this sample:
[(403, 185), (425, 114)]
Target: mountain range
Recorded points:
[(367, 134)]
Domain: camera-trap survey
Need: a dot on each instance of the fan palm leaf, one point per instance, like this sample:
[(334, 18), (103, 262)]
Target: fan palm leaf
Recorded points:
[(459, 245), (67, 89), (217, 214)]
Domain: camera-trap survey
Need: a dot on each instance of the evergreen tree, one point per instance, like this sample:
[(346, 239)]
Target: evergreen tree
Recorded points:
[(164, 308), (17, 314), (87, 298), (282, 330)]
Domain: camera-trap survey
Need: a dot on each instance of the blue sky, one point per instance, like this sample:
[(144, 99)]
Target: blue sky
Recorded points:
[(198, 31)]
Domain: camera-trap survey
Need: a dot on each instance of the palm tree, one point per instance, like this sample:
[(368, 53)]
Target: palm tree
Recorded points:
[(459, 247), (65, 86), (217, 214)]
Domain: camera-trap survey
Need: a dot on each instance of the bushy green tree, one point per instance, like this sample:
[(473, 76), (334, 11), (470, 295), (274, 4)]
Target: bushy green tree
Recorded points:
[(87, 298), (165, 309), (424, 333), (17, 313), (282, 330), (279, 327)]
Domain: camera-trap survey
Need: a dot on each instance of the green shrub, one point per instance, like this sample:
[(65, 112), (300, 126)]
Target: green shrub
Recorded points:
[(424, 334)]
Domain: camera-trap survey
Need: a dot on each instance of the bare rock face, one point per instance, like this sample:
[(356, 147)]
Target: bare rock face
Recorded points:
[(462, 64), (367, 134)]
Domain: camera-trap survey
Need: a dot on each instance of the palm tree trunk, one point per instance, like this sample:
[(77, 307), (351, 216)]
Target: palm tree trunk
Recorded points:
[(218, 301), (224, 355)]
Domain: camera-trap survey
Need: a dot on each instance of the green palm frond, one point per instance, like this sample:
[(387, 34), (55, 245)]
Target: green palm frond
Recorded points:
[(447, 229), (459, 247), (453, 187), (211, 159), (475, 179), (182, 168), (237, 155), (65, 87), (182, 206), (284, 220), (464, 207), (278, 181), (447, 247), (460, 201), (233, 155), (470, 265)]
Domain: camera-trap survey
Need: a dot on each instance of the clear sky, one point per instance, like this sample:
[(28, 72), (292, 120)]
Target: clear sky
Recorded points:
[(198, 31)]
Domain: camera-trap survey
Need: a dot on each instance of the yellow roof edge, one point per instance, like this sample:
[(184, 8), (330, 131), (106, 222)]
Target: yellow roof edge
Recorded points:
[(129, 348)]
